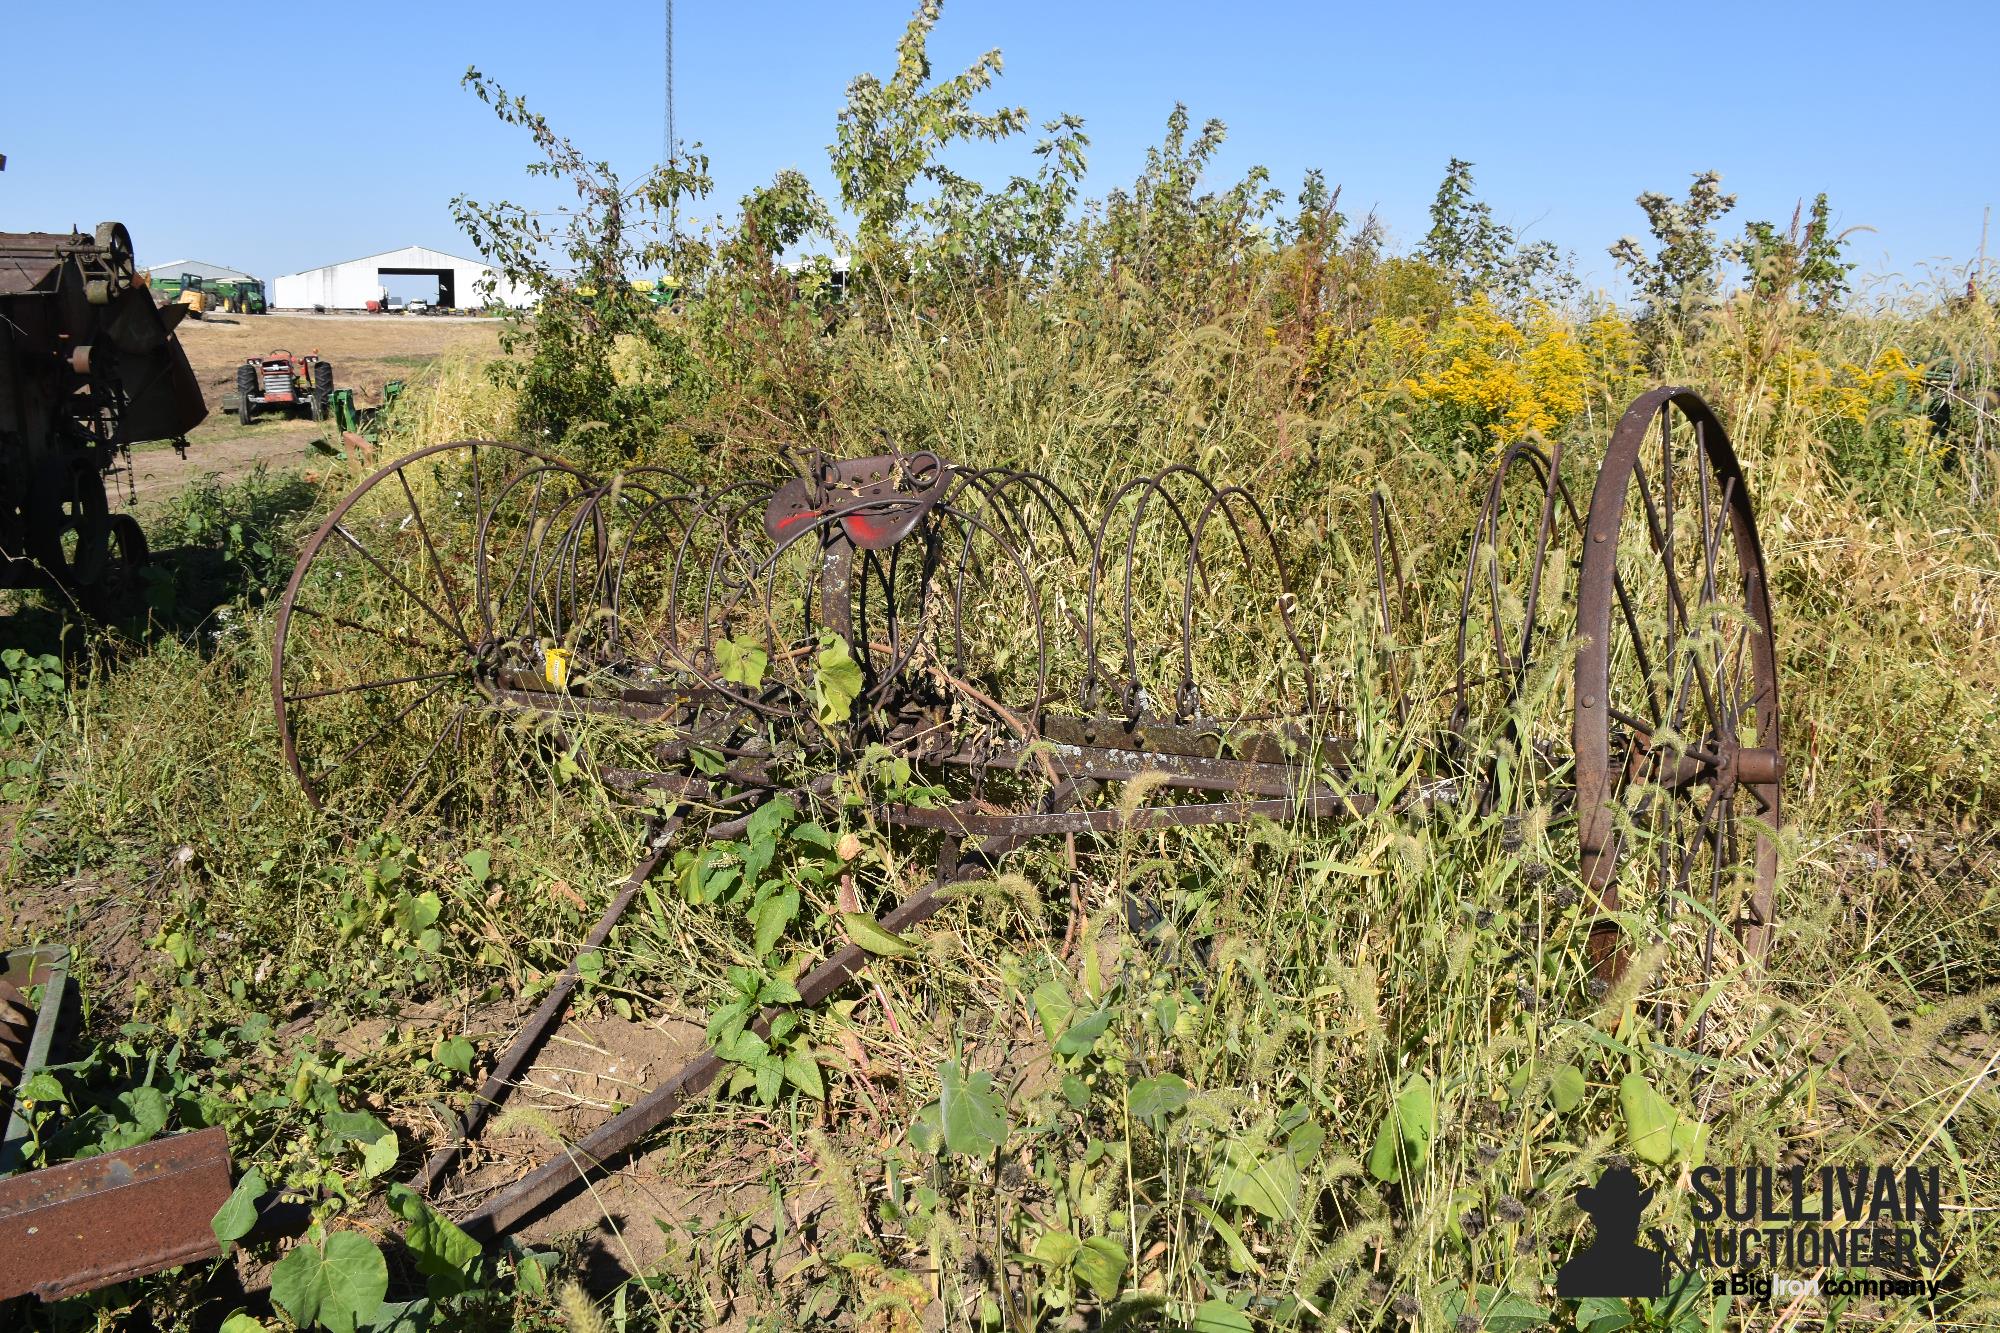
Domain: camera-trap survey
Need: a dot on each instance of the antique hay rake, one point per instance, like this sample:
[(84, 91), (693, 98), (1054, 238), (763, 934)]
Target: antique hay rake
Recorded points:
[(1046, 668)]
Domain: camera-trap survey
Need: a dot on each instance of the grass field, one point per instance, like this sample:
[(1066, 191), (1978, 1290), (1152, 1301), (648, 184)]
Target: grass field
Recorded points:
[(1272, 1075), (366, 353)]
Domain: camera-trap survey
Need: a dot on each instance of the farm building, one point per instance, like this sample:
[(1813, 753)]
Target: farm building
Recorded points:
[(174, 271), (353, 284)]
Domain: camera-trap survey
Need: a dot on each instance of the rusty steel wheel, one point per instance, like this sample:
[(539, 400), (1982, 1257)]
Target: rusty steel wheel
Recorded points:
[(1676, 730), (382, 652), (1506, 729)]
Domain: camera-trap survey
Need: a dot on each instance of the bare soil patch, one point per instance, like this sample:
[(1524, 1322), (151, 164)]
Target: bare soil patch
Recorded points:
[(590, 1070), (366, 351)]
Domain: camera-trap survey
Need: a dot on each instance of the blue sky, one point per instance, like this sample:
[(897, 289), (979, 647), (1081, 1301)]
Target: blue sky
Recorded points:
[(352, 134)]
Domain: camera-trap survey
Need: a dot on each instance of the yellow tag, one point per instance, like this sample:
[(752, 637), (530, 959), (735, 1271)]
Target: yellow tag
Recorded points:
[(555, 666)]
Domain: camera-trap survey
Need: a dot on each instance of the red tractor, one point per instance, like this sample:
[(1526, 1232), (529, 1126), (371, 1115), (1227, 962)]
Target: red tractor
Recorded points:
[(283, 380)]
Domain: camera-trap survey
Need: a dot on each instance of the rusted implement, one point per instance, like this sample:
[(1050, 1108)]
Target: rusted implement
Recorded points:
[(89, 1223), (27, 1031), (89, 366), (627, 1130), (541, 1024), (1029, 653), (82, 1225)]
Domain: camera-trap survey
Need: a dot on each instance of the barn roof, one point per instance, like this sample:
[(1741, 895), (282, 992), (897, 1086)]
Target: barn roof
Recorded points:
[(174, 268), (409, 256)]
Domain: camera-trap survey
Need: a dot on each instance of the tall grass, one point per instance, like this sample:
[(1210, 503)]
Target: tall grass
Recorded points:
[(1296, 980), (1292, 976)]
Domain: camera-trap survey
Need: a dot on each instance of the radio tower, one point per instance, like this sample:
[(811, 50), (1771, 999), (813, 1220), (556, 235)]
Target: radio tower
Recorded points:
[(668, 148)]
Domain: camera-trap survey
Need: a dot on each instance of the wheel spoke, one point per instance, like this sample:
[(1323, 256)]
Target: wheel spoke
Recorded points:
[(1706, 821), (383, 730), (1677, 612), (1735, 678), (1676, 606), (407, 591), (1729, 680), (1638, 642), (371, 685), (1710, 535), (437, 567), (454, 725), (401, 640), (1716, 858)]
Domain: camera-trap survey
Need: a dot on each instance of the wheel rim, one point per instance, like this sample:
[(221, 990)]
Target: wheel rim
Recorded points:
[(1677, 720), (73, 544), (381, 659)]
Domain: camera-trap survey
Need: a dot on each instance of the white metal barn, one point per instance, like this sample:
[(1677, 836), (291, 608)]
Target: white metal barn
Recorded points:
[(353, 284)]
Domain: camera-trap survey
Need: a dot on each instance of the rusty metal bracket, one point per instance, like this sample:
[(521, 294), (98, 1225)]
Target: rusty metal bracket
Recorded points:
[(89, 1223)]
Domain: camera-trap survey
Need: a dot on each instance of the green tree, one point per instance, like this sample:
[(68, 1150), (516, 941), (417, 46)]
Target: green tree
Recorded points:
[(1170, 233), (1771, 258), (1679, 281), (890, 136), (1480, 254), (1823, 269), (1019, 231), (1808, 267), (577, 269), (1318, 221)]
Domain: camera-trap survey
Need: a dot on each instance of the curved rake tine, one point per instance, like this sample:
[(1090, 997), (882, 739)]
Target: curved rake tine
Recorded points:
[(715, 511), (1220, 502), (1013, 494), (1388, 561), (526, 579), (997, 485), (674, 506), (1146, 488), (973, 522)]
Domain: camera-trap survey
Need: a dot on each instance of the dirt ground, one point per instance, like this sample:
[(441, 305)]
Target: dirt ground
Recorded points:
[(367, 351)]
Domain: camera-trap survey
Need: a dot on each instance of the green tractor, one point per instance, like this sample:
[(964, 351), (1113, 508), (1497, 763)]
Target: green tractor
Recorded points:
[(240, 298)]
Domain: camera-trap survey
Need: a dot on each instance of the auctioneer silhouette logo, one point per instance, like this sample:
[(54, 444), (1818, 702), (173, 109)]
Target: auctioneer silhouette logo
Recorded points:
[(1615, 1264)]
